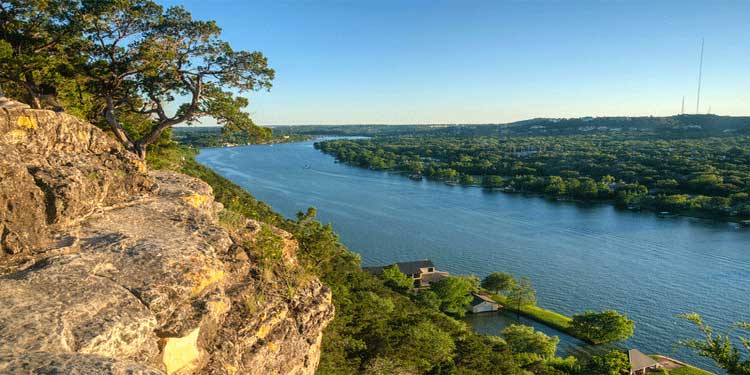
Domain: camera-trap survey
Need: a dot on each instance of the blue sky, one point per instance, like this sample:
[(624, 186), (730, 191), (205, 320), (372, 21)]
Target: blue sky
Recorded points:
[(413, 61)]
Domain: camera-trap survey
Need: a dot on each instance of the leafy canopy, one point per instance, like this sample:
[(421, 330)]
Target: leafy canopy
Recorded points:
[(138, 68), (522, 293), (614, 362), (498, 282), (454, 293), (523, 339), (396, 280), (602, 327)]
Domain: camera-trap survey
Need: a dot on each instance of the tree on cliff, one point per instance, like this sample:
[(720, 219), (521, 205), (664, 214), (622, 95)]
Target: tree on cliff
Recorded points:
[(146, 61), (37, 48), (139, 68)]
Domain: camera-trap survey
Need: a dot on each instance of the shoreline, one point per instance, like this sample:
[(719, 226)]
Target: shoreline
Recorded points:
[(544, 316), (610, 202)]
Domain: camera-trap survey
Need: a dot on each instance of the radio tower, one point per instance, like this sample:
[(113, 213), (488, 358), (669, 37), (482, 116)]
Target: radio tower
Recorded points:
[(682, 111), (700, 76)]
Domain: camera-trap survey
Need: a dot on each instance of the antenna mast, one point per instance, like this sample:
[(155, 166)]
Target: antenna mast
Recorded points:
[(682, 111), (700, 76)]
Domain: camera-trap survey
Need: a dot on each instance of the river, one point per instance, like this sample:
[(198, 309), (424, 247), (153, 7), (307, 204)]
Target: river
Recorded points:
[(578, 256)]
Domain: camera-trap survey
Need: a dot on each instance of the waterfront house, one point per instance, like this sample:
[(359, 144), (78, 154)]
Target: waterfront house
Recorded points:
[(483, 303), (640, 363), (423, 272)]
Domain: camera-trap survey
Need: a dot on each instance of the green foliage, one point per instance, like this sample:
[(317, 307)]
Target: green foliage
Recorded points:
[(454, 293), (721, 347), (498, 282), (467, 179), (524, 340), (38, 49), (688, 370), (396, 280), (522, 294), (425, 345), (428, 300), (130, 60), (268, 247), (492, 181), (602, 327), (614, 362), (659, 164)]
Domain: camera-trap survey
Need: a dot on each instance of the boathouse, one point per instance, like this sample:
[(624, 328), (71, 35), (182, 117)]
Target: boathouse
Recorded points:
[(483, 303), (640, 364)]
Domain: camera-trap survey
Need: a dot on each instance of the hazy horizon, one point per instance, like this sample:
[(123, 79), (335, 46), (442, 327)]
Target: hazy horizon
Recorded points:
[(445, 62)]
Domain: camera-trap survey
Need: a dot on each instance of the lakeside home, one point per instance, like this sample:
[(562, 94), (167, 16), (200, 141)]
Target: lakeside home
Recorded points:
[(423, 272), (483, 303)]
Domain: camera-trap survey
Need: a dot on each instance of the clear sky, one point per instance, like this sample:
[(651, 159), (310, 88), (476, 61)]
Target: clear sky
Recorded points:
[(414, 61)]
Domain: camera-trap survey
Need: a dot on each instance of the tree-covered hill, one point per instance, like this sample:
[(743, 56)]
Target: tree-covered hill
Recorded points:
[(690, 126)]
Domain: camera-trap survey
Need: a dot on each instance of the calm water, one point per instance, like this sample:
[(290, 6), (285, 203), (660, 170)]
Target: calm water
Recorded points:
[(579, 257)]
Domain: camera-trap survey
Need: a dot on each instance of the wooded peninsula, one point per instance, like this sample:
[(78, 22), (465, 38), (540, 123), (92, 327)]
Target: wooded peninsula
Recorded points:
[(693, 165)]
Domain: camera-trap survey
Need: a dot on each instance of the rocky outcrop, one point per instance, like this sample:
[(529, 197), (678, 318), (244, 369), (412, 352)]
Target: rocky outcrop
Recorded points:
[(112, 269)]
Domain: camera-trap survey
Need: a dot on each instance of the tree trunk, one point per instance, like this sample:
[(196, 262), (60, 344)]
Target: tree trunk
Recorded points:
[(30, 87), (122, 136), (140, 150)]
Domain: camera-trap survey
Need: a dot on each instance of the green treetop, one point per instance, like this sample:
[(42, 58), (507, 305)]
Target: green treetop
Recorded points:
[(602, 327)]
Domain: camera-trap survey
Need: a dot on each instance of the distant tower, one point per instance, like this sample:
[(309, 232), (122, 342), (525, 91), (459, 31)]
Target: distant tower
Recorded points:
[(700, 76), (682, 111)]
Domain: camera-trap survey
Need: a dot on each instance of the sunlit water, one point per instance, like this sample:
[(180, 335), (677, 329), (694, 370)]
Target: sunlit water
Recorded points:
[(579, 257)]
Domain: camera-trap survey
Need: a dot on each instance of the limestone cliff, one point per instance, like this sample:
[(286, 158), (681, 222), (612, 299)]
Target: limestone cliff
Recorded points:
[(109, 268)]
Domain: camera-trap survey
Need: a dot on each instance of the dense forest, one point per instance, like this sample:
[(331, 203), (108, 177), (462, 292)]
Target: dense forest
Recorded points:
[(678, 172)]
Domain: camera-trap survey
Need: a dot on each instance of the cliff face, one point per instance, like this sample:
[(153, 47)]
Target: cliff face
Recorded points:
[(109, 268)]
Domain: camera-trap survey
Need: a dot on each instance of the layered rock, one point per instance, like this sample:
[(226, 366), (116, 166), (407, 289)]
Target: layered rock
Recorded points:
[(112, 269)]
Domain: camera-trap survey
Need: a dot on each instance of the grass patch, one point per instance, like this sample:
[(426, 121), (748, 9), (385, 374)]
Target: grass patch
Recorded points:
[(549, 318), (688, 370)]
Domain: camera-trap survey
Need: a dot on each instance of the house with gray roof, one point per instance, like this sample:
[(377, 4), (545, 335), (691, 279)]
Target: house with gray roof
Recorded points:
[(423, 272)]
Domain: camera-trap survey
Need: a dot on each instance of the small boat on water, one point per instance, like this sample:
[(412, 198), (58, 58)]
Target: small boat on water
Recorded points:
[(416, 176), (451, 183)]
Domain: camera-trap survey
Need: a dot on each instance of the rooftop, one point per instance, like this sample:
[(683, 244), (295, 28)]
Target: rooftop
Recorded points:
[(480, 298), (640, 361), (408, 268)]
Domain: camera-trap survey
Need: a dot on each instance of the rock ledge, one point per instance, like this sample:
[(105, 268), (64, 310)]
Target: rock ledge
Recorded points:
[(111, 269)]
